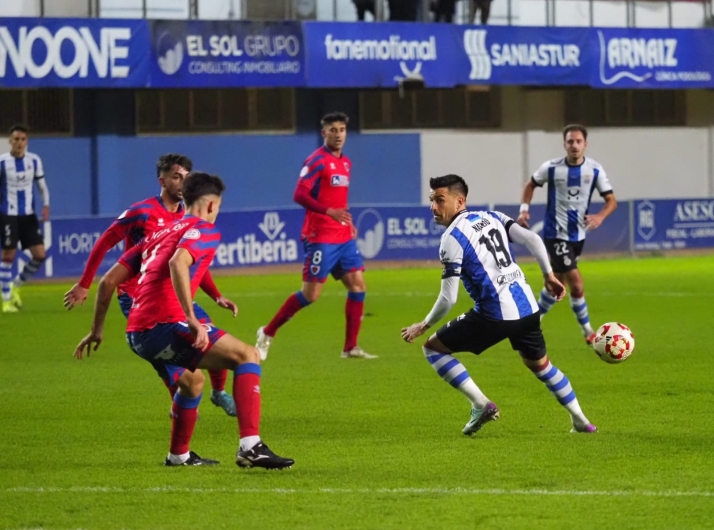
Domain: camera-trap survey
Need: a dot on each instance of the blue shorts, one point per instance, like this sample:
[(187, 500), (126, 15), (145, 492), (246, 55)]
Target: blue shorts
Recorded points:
[(170, 345), (168, 373), (323, 259), (126, 301)]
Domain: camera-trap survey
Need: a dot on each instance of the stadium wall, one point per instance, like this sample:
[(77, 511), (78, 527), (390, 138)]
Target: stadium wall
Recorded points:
[(653, 163)]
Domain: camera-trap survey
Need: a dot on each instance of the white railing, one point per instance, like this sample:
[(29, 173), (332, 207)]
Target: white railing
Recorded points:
[(617, 13)]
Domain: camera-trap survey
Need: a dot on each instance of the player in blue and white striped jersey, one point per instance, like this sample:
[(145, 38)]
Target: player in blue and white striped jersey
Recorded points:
[(19, 172), (571, 180), (475, 248)]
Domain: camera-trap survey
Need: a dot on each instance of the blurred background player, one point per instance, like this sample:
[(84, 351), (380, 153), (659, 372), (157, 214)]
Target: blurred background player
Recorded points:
[(475, 248), (164, 329), (140, 220), (329, 238), (571, 183), (19, 172)]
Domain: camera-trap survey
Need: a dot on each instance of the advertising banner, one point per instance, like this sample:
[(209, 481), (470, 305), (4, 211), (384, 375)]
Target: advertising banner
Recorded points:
[(61, 52), (518, 55), (379, 55), (673, 224), (613, 236), (653, 58), (228, 53)]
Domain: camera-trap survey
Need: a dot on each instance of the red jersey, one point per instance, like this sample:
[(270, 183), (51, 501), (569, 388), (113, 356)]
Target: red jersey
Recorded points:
[(140, 220), (326, 178), (155, 301)]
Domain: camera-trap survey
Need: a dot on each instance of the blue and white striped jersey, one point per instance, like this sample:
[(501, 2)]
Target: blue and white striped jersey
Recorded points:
[(570, 189), (17, 178), (475, 247)]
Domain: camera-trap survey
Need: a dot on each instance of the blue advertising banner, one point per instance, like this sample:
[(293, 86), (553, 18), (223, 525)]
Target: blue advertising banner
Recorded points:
[(653, 58), (398, 232), (198, 53), (364, 55), (272, 237), (673, 224), (523, 56), (613, 236), (57, 52)]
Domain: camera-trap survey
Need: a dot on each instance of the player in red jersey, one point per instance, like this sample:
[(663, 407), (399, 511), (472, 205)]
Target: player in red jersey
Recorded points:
[(329, 238), (140, 220), (164, 329)]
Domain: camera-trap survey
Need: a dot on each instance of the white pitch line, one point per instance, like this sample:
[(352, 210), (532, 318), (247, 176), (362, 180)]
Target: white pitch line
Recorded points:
[(406, 294), (369, 491)]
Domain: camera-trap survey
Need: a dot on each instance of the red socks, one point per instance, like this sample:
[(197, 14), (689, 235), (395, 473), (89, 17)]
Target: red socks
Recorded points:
[(246, 392), (354, 310), (184, 413), (218, 379), (291, 306)]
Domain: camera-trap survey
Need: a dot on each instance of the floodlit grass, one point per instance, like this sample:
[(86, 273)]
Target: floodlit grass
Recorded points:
[(378, 444)]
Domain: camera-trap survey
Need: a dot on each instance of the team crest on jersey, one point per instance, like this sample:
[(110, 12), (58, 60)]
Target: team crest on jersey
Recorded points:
[(192, 234), (342, 181), (347, 166)]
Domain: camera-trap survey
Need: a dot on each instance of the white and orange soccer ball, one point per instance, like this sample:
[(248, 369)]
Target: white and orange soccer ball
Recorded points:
[(614, 342)]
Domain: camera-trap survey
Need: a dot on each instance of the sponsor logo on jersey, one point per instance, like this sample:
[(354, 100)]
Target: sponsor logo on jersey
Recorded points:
[(342, 181), (511, 277), (192, 234)]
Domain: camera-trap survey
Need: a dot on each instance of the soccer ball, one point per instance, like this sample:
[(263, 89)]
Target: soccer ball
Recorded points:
[(614, 342)]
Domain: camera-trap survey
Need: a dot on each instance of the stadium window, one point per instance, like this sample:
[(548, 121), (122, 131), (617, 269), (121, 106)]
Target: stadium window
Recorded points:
[(472, 107), (625, 108), (47, 111), (215, 110)]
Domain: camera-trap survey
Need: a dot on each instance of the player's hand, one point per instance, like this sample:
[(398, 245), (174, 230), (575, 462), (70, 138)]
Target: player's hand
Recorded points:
[(92, 339), (45, 213), (554, 287), (353, 230), (228, 304), (341, 215), (414, 331), (200, 334), (76, 295), (593, 221), (523, 219)]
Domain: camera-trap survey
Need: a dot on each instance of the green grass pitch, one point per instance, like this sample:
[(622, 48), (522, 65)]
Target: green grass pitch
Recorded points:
[(377, 444)]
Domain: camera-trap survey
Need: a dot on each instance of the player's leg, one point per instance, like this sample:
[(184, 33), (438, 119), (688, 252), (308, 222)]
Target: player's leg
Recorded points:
[(30, 238), (319, 260), (9, 235), (574, 281), (529, 342), (219, 396), (184, 413), (468, 332), (349, 269), (231, 353), (555, 248)]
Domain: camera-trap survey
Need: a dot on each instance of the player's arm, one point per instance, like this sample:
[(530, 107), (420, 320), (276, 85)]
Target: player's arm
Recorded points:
[(534, 244), (179, 265), (118, 230), (536, 181), (451, 262), (309, 177), (605, 189), (209, 287), (127, 267), (44, 190)]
